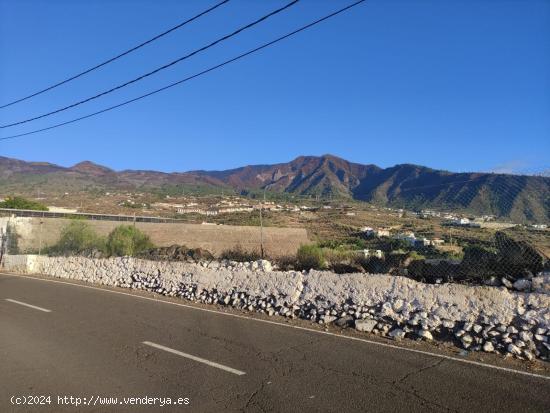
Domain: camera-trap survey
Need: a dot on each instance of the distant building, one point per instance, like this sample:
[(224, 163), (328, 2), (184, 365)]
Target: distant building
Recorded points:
[(381, 232), (373, 253), (422, 242), (368, 231), (166, 205), (407, 236), (371, 232), (191, 210), (61, 209), (235, 209)]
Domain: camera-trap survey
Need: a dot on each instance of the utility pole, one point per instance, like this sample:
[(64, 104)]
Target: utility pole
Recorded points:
[(40, 235), (262, 228)]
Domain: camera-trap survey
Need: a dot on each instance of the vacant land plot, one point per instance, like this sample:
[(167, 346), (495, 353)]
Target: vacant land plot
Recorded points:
[(35, 233)]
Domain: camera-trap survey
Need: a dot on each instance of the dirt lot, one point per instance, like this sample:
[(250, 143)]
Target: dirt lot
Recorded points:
[(215, 238)]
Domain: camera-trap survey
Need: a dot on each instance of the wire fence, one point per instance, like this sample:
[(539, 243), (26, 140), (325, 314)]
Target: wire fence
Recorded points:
[(488, 230), (84, 215)]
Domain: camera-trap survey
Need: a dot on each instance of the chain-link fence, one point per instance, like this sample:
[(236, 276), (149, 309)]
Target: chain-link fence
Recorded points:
[(490, 230)]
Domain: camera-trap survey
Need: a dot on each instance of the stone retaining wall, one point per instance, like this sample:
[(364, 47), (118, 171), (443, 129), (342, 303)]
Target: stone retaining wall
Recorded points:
[(473, 317)]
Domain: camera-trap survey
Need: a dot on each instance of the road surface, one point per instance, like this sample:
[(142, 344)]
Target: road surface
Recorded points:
[(62, 340)]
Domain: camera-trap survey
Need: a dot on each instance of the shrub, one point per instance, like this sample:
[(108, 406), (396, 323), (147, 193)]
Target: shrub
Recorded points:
[(372, 265), (310, 257), (239, 254), (350, 243), (18, 202), (127, 240), (478, 256), (399, 245), (286, 262), (338, 256), (77, 237), (414, 255)]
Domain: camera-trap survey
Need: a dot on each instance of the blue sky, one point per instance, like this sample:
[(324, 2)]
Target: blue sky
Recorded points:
[(457, 85)]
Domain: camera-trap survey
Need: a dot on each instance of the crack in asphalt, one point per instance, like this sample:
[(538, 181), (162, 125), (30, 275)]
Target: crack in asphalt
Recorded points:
[(418, 371), (249, 402), (415, 393)]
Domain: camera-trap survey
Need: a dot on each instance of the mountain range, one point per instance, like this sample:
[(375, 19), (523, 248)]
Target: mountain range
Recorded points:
[(522, 198)]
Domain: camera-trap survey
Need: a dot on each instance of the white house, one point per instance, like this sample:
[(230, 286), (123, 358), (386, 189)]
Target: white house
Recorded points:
[(462, 221), (373, 253), (381, 232), (423, 242)]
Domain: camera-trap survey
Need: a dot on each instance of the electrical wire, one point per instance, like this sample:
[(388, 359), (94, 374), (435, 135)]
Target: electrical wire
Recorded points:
[(112, 59), (187, 56), (218, 66)]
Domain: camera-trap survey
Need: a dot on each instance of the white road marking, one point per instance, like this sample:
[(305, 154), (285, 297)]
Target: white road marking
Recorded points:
[(28, 305), (327, 333), (195, 358)]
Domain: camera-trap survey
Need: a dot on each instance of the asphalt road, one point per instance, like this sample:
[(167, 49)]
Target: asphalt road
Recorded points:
[(89, 343)]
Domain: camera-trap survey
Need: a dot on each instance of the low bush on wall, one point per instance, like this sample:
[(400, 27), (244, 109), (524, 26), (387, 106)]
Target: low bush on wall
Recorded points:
[(77, 237), (127, 240), (310, 257)]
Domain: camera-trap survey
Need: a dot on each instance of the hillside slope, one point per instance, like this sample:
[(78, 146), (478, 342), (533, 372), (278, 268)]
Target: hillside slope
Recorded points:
[(521, 198)]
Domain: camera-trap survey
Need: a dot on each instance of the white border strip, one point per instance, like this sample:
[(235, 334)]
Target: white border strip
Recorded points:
[(327, 333), (195, 358), (28, 305)]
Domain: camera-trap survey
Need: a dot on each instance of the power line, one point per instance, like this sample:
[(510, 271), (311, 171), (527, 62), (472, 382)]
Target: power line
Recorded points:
[(187, 56), (112, 59), (218, 66)]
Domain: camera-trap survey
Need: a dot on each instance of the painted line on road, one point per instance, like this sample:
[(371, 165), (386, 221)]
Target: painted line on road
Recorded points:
[(326, 333), (28, 305), (195, 358)]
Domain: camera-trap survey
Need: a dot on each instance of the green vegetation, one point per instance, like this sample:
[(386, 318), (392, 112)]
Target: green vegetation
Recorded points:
[(350, 243), (176, 190), (399, 245), (127, 240), (18, 202), (414, 255), (310, 257), (77, 237)]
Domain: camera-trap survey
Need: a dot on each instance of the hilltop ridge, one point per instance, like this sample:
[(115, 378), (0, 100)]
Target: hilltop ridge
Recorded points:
[(519, 197)]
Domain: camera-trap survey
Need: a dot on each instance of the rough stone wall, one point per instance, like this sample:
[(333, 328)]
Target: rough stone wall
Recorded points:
[(473, 317), (447, 301), (214, 238)]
